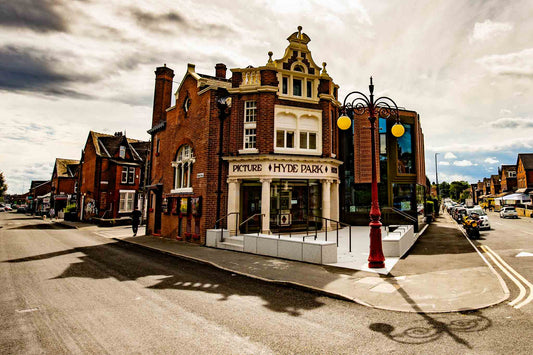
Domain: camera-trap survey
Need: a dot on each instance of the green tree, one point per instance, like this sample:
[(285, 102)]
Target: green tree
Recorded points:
[(3, 185), (456, 188), (444, 189)]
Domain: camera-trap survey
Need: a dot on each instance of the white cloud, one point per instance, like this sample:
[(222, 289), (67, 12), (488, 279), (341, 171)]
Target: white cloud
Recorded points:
[(517, 63), (505, 112), (490, 160), (488, 30), (462, 163), (512, 122), (450, 155), (444, 163)]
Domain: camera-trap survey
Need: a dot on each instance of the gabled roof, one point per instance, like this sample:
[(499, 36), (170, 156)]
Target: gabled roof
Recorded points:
[(65, 167), (202, 80), (527, 160), (107, 145), (35, 183)]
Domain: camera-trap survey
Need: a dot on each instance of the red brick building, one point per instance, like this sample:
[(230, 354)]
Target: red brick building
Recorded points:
[(274, 126), (110, 175), (507, 178), (495, 185), (64, 183), (39, 196), (524, 173)]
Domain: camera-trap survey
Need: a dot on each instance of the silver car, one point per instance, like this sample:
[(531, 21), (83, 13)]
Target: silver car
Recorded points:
[(508, 212)]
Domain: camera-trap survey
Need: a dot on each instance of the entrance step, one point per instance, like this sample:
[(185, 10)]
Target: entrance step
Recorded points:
[(231, 246)]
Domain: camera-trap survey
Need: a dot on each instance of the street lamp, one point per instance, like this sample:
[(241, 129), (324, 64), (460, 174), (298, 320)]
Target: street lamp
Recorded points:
[(383, 107)]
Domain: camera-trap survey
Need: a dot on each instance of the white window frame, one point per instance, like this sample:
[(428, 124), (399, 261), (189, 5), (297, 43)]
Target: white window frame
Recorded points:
[(305, 77), (126, 201), (299, 114), (124, 175), (122, 152), (131, 175), (183, 167), (249, 143), (511, 174)]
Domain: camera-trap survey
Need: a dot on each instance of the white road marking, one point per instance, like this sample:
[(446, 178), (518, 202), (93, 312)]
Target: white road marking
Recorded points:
[(526, 282), (522, 254), (27, 310)]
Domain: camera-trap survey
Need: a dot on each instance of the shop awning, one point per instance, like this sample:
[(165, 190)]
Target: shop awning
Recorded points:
[(44, 196), (517, 197)]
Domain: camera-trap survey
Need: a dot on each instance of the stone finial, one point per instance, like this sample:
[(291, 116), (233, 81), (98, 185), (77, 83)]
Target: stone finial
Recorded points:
[(324, 68), (299, 31), (270, 61)]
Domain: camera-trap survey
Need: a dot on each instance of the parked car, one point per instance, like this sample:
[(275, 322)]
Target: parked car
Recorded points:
[(8, 207), (458, 214), (508, 212), (483, 218), (2, 208)]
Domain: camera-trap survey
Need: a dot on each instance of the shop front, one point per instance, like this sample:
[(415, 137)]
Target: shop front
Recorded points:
[(278, 194)]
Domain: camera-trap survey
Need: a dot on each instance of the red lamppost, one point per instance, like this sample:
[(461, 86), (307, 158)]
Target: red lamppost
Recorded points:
[(386, 108)]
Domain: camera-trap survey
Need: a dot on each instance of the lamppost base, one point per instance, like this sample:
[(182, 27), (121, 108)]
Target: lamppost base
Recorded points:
[(376, 265)]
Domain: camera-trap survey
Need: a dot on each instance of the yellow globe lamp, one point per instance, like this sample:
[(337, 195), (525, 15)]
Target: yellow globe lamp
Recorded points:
[(344, 122), (397, 130)]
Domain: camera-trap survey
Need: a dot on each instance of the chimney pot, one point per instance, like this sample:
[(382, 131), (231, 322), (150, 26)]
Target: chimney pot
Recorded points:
[(220, 70)]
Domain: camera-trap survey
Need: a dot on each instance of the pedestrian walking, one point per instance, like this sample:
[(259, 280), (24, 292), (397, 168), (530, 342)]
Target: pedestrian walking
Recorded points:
[(135, 220)]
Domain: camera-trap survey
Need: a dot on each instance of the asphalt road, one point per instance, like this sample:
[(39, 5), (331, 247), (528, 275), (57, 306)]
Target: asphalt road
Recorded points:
[(73, 291)]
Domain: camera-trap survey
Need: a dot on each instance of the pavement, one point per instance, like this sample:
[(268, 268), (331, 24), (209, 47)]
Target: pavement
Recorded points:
[(443, 271)]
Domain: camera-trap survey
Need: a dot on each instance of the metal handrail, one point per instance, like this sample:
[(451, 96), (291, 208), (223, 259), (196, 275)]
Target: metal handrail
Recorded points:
[(338, 223), (251, 217), (403, 214), (226, 216)]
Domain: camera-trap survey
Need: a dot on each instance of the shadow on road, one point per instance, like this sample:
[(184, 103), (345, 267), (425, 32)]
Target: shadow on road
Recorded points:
[(433, 326), (127, 263), (43, 226)]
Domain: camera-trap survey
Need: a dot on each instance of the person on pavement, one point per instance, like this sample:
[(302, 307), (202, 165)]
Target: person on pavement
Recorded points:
[(135, 219)]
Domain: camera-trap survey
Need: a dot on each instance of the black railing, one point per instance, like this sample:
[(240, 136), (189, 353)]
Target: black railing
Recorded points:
[(249, 219), (402, 213), (338, 223), (217, 223)]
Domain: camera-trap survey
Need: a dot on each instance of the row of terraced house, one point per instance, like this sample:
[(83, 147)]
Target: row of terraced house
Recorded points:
[(513, 185), (256, 150)]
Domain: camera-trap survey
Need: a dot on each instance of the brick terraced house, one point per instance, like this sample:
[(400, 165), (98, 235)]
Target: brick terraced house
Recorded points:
[(64, 183), (524, 173), (111, 174)]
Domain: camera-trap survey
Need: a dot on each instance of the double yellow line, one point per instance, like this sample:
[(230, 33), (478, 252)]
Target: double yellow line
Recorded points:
[(514, 276)]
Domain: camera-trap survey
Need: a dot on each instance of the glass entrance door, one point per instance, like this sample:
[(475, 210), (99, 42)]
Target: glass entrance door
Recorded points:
[(250, 205), (293, 203)]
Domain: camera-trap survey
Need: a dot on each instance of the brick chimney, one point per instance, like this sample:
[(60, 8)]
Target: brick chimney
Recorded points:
[(162, 93), (220, 70)]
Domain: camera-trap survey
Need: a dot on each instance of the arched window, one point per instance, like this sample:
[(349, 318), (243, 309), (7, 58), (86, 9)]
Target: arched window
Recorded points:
[(183, 169)]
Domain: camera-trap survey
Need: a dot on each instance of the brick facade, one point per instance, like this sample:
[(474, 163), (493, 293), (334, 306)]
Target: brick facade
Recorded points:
[(100, 178), (195, 119)]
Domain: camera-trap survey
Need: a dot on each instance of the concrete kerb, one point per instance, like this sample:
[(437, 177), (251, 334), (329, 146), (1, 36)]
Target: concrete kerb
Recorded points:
[(272, 281)]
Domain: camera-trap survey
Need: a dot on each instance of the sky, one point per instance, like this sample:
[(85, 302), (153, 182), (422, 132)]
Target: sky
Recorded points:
[(71, 66)]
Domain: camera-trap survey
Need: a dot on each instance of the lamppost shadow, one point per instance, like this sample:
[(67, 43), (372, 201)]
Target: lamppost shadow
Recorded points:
[(434, 326)]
